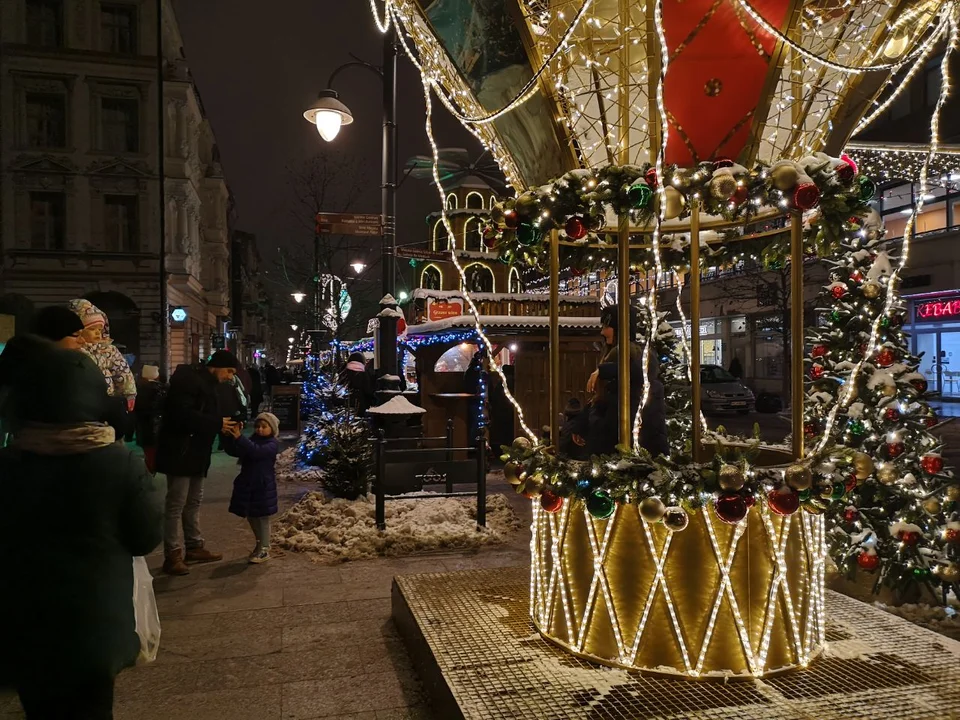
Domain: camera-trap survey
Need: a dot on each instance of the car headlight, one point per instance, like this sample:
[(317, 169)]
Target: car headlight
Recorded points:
[(712, 394)]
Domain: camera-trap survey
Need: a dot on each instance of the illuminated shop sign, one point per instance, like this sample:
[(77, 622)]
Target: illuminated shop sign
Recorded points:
[(937, 309)]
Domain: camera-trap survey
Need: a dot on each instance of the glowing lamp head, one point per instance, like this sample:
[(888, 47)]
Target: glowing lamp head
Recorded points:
[(403, 295), (358, 267), (298, 296), (293, 327), (328, 114)]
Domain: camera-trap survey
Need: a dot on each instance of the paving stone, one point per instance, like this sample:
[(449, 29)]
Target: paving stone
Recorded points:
[(248, 703), (277, 668), (340, 696), (347, 591), (187, 649), (155, 679), (334, 635)]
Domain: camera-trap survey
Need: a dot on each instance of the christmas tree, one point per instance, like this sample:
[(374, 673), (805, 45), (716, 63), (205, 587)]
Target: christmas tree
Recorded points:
[(866, 405)]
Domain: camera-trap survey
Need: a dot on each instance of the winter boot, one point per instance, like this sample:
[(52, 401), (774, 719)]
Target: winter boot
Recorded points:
[(202, 555), (260, 555), (173, 563)]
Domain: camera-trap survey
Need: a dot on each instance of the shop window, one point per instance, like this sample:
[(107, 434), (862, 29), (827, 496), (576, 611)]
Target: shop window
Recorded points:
[(456, 359), (738, 325)]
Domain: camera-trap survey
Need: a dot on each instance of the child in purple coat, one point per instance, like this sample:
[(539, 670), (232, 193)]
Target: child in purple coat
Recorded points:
[(255, 489)]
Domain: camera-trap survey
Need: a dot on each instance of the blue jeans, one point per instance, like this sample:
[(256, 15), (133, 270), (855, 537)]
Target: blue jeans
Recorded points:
[(184, 495)]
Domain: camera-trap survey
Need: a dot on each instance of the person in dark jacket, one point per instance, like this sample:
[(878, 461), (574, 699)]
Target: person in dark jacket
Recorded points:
[(60, 325), (255, 488), (256, 389), (599, 425), (359, 382), (192, 419), (151, 394), (571, 445), (67, 624)]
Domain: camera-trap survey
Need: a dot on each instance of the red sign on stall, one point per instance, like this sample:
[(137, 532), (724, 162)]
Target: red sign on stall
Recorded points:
[(443, 309), (936, 309)]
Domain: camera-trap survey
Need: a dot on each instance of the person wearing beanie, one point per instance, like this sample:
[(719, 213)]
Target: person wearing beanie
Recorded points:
[(67, 624), (255, 488), (192, 419), (97, 344), (60, 325)]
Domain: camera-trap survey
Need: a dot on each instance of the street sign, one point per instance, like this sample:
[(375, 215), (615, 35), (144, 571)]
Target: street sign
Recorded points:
[(219, 342), (442, 309), (417, 254), (348, 224)]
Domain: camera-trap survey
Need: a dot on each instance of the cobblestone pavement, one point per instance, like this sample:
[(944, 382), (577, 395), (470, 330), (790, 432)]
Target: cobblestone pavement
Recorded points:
[(289, 639)]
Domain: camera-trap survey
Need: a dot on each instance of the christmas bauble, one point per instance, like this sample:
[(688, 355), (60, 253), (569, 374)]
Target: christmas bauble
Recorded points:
[(600, 505), (857, 427), (851, 482), (895, 449), (741, 195), (838, 291), (731, 478), (953, 493), (921, 573), (862, 465), (886, 358), (849, 161), (783, 501), (818, 351), (887, 390), (640, 194), (951, 535), (809, 429), (949, 573), (673, 202), (931, 506), (511, 219), (816, 372), (867, 189), (730, 507), (851, 515), (887, 474), (891, 414), (512, 472), (930, 420), (871, 290), (835, 316), (651, 177), (931, 463), (868, 561), (575, 228), (527, 234), (784, 175), (521, 443), (750, 500), (550, 502), (723, 186), (806, 196), (722, 163), (919, 384), (845, 172), (838, 490), (675, 519), (490, 238), (652, 509), (798, 477), (909, 537)]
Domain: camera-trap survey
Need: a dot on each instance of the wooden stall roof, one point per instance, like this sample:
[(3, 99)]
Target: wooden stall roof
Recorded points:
[(501, 324)]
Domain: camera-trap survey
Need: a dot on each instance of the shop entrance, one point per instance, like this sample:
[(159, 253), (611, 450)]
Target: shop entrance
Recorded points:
[(940, 361)]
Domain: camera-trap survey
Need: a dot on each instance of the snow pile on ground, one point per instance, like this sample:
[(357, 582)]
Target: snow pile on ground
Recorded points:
[(289, 469), (944, 620), (343, 530)]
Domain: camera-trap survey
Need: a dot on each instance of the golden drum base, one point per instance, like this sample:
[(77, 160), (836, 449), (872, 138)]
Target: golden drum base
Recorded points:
[(712, 600)]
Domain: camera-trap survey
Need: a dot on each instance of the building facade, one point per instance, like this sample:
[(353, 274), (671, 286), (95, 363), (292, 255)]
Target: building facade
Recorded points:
[(249, 335), (84, 211)]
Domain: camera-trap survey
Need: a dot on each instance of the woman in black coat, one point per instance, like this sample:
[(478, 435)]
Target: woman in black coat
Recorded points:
[(86, 506)]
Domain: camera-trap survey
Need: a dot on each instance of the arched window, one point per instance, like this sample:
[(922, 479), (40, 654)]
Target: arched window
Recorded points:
[(479, 278), (493, 201), (474, 200), (514, 282), (440, 236), (473, 235), (452, 201), (431, 278)]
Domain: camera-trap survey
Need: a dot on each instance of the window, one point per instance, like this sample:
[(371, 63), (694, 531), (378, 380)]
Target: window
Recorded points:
[(430, 278), (440, 237), (516, 286), (118, 28), (47, 220), (474, 201), (119, 125), (473, 235), (45, 23), (46, 120), (479, 278), (121, 225)]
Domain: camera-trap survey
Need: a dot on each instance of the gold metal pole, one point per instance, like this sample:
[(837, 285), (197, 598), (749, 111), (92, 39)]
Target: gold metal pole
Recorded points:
[(554, 338), (625, 332), (796, 331), (695, 325)]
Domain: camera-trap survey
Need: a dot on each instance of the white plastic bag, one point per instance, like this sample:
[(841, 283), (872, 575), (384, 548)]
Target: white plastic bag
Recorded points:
[(145, 611)]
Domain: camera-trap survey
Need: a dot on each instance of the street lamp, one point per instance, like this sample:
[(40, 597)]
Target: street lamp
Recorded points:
[(328, 114), (358, 267), (291, 340), (298, 297), (293, 327)]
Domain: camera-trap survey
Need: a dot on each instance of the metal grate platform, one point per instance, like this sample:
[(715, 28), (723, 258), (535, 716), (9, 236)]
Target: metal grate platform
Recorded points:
[(470, 636)]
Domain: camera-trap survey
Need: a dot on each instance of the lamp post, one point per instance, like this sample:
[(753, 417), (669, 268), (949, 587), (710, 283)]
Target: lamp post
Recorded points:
[(329, 114)]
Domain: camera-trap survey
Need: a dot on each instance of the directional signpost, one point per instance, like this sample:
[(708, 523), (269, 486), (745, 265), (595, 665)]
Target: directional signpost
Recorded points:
[(418, 254), (348, 224)]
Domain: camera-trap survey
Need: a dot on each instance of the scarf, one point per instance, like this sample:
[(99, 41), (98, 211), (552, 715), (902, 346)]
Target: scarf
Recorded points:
[(356, 366), (44, 439)]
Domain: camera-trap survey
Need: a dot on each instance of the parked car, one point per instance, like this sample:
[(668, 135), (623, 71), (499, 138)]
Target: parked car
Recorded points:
[(721, 391)]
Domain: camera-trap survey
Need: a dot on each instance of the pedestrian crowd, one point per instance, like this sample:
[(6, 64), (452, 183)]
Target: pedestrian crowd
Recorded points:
[(83, 508)]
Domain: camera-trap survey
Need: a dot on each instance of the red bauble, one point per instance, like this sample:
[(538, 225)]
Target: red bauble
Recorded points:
[(931, 463), (575, 228), (868, 561), (806, 196), (511, 219), (919, 384), (730, 507), (930, 420), (849, 161), (856, 276), (550, 502), (851, 515), (909, 537), (401, 326), (818, 351), (741, 195), (886, 358), (845, 172), (951, 535), (784, 500), (651, 177), (895, 449), (722, 163), (816, 372), (838, 291), (891, 414), (490, 238), (863, 349), (851, 483), (809, 429), (750, 500)]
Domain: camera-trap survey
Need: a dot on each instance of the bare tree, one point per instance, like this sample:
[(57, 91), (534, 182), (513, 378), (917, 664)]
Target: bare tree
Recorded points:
[(320, 266)]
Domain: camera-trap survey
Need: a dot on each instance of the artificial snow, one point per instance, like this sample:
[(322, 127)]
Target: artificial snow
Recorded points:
[(881, 267), (398, 405), (941, 619), (423, 293), (500, 321), (855, 410), (902, 527), (342, 530)]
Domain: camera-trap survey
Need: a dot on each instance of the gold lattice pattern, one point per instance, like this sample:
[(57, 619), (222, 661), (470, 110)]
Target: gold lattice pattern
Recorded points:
[(743, 599)]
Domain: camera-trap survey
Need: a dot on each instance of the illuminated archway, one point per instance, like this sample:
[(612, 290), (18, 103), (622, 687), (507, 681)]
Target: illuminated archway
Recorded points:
[(473, 235), (431, 278), (479, 278), (452, 201), (440, 239), (474, 200), (514, 284)]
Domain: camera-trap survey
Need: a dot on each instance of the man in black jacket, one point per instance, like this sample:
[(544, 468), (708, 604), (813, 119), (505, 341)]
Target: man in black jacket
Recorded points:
[(192, 419)]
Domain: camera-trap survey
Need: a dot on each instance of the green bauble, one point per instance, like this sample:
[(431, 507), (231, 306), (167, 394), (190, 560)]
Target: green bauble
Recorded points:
[(600, 505), (866, 188), (839, 490), (885, 322), (640, 194), (835, 316), (921, 573), (527, 234), (507, 257), (857, 427)]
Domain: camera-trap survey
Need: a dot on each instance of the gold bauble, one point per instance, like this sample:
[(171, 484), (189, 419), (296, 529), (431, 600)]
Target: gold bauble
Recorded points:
[(512, 471), (673, 202), (931, 506), (798, 477), (785, 176), (652, 509), (862, 465), (888, 390), (950, 573), (521, 443), (675, 519), (723, 186), (731, 478), (887, 474), (953, 493), (871, 289)]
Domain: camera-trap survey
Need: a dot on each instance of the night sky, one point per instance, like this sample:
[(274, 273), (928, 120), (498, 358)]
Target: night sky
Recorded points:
[(258, 65)]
